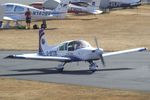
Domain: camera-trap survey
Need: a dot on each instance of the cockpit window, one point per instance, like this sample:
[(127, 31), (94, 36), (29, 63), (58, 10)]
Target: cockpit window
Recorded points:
[(82, 4), (19, 9), (63, 47), (71, 46), (74, 45), (9, 7), (93, 3)]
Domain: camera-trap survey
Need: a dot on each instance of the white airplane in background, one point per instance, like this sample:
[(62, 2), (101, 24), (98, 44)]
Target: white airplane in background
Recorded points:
[(16, 12), (85, 7), (26, 2), (70, 51), (124, 3)]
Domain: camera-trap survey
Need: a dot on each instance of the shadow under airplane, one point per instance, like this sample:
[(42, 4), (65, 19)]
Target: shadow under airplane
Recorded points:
[(44, 71)]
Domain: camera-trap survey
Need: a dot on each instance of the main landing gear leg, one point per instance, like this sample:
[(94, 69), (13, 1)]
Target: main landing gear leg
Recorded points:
[(93, 66), (60, 67)]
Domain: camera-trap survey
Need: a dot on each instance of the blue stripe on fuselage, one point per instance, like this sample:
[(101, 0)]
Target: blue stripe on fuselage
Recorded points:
[(73, 58), (47, 13)]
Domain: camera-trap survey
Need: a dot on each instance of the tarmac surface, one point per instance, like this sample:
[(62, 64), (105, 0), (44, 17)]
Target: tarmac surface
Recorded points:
[(127, 71)]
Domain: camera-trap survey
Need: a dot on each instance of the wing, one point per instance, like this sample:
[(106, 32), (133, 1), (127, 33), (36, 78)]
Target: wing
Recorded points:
[(96, 12), (35, 56), (124, 51), (13, 18), (8, 18)]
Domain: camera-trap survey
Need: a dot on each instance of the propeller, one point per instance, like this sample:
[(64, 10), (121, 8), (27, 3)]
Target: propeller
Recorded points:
[(101, 56)]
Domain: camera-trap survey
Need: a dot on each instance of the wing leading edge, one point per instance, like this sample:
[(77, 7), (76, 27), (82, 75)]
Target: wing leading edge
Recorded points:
[(35, 56), (9, 18), (124, 51)]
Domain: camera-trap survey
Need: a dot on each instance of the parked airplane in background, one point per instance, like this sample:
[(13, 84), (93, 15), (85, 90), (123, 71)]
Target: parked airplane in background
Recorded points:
[(71, 51), (16, 12), (26, 2), (85, 7), (94, 6), (48, 4), (124, 3), (38, 5), (75, 6)]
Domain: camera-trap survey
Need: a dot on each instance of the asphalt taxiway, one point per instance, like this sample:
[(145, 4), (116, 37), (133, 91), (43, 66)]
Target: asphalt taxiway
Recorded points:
[(127, 71)]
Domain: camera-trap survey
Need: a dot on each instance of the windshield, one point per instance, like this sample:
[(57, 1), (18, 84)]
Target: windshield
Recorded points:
[(9, 7), (74, 45), (19, 9), (82, 4)]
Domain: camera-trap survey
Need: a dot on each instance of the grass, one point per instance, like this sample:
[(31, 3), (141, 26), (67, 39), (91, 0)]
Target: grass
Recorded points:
[(114, 30), (11, 89)]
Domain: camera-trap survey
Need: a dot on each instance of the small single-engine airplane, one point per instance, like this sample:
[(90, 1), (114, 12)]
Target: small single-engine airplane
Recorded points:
[(16, 12), (124, 3), (85, 7), (70, 51)]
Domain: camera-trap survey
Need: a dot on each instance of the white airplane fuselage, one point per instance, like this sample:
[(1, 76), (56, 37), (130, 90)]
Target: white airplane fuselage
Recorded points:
[(91, 7), (78, 50), (81, 9), (26, 2), (124, 3), (17, 12)]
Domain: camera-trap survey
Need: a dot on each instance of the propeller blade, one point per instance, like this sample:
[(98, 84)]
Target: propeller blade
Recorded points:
[(96, 42), (101, 56), (102, 60)]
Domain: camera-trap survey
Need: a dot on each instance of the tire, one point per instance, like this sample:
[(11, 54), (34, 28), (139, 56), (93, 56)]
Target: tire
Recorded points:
[(60, 69)]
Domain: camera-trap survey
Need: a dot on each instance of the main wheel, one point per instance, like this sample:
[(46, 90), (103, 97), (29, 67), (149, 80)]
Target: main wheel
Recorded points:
[(93, 70), (60, 69), (93, 67)]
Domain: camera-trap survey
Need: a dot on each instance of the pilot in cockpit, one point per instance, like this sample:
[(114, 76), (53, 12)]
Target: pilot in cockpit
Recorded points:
[(78, 45), (74, 45)]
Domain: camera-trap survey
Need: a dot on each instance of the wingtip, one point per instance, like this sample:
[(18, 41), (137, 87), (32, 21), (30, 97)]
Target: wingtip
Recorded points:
[(10, 56), (143, 49)]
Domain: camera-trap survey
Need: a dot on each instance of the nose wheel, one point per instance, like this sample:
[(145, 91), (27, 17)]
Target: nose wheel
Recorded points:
[(93, 66), (60, 67)]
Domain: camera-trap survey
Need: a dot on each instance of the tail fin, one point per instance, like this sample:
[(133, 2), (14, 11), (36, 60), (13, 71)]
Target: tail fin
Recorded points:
[(43, 46), (62, 7), (137, 3), (95, 7)]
